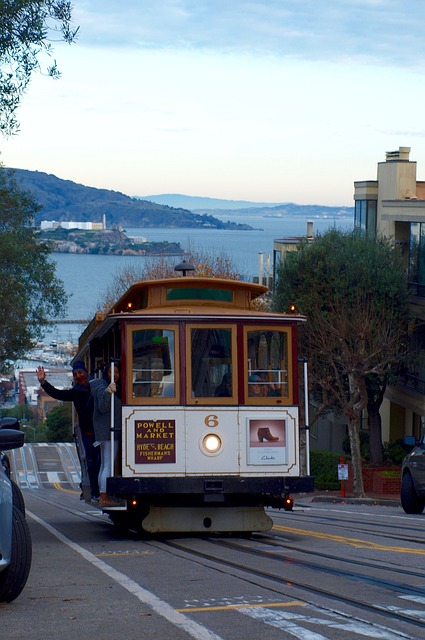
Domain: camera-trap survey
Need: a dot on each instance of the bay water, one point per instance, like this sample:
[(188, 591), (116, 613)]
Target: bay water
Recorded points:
[(86, 277)]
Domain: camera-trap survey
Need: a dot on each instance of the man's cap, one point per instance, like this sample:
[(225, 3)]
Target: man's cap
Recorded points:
[(80, 365), (254, 378)]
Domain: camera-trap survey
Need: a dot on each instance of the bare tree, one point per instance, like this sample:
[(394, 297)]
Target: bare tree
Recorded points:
[(207, 264), (353, 291)]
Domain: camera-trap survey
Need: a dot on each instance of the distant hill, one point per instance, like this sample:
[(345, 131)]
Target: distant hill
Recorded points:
[(197, 202), (245, 207), (67, 200)]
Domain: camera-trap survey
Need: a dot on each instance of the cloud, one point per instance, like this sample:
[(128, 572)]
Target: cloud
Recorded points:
[(379, 31), (262, 100)]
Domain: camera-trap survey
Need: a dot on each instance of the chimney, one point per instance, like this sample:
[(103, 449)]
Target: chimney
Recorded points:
[(402, 154), (309, 229)]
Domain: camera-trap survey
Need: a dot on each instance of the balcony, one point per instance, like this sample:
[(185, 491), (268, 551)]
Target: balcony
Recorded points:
[(411, 382), (417, 289)]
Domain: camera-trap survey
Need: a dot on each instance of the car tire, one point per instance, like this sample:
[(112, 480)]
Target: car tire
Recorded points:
[(410, 501), (14, 577), (18, 498)]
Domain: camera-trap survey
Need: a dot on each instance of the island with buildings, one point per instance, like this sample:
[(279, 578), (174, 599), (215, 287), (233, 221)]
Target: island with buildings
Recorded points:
[(95, 238)]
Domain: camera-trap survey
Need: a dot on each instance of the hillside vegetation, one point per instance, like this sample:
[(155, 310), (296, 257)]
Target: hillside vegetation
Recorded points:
[(64, 200)]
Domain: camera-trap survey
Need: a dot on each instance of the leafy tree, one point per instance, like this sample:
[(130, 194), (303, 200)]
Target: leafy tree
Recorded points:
[(353, 290), (27, 416), (59, 423), (26, 28), (21, 411), (30, 293)]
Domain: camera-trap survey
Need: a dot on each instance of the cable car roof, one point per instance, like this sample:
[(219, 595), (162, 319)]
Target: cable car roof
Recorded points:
[(188, 296), (192, 291)]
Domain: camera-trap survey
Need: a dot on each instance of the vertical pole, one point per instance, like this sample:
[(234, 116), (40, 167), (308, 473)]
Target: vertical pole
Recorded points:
[(112, 419), (342, 461), (306, 415), (260, 268)]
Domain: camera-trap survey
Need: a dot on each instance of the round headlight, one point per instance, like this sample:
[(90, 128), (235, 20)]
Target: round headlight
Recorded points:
[(211, 443)]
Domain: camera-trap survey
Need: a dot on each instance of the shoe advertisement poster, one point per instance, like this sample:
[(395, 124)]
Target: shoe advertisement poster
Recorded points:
[(267, 441)]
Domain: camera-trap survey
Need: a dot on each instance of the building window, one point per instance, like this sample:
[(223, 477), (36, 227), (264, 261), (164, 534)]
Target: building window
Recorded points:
[(277, 261), (365, 216), (417, 258), (413, 373), (360, 215)]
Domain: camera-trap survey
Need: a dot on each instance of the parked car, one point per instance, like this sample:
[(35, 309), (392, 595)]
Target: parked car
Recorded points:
[(8, 423), (412, 493), (18, 498), (15, 537), (4, 459)]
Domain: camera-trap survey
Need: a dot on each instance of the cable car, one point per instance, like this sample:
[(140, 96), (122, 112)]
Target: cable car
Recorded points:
[(210, 418)]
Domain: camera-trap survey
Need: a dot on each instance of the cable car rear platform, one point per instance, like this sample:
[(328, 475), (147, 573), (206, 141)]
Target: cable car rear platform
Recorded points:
[(220, 489)]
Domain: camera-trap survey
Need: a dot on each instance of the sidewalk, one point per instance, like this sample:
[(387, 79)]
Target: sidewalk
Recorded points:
[(387, 500)]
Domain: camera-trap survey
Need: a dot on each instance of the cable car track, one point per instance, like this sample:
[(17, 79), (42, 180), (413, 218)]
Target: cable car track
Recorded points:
[(366, 528), (274, 540), (362, 563), (287, 586), (47, 496), (333, 571), (240, 558)]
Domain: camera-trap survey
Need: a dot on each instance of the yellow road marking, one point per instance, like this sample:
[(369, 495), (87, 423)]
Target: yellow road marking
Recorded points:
[(60, 488), (230, 607), (114, 554), (352, 542)]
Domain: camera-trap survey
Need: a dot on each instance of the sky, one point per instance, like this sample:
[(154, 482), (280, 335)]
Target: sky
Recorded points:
[(266, 101)]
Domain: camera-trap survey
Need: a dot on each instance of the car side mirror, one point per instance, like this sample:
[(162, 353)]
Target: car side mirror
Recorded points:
[(410, 441), (9, 423), (11, 439)]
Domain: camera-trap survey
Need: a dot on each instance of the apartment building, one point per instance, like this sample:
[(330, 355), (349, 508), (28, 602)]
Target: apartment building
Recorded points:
[(394, 205), (283, 246)]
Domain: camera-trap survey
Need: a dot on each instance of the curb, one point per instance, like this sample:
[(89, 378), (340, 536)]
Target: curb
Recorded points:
[(387, 502)]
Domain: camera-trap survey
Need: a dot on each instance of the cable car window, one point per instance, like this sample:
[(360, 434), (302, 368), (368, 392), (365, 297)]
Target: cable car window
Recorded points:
[(211, 363), (267, 366), (153, 363)]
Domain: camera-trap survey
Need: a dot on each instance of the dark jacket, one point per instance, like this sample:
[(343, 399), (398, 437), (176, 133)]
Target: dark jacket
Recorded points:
[(83, 403), (102, 410)]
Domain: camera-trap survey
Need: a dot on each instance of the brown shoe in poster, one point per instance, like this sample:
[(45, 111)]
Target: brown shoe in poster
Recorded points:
[(263, 433)]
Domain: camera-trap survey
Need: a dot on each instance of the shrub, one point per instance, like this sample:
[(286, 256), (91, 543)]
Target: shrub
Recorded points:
[(59, 424), (364, 445), (389, 474), (324, 468), (395, 451)]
